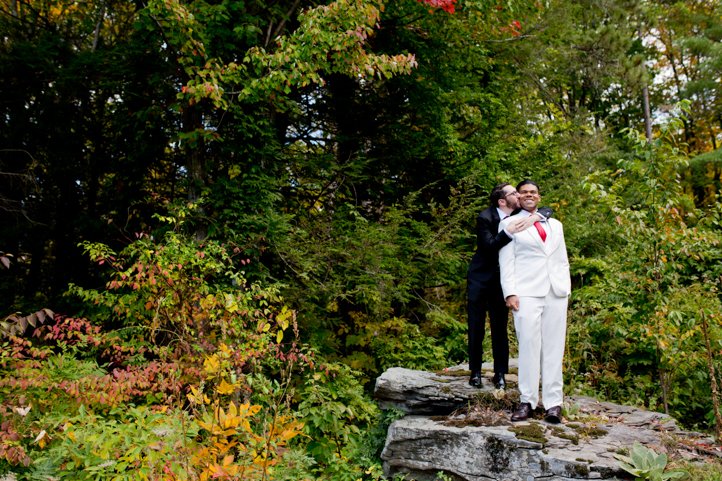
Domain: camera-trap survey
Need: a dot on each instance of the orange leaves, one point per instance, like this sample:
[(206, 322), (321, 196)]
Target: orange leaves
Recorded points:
[(231, 431), (285, 429), (514, 28)]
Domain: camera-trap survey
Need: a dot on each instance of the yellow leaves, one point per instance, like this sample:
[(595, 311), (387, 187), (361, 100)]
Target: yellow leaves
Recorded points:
[(283, 320), (225, 350), (230, 452), (233, 420), (283, 317), (234, 171), (230, 420), (290, 429), (333, 305), (231, 304), (212, 365), (225, 388), (196, 396), (219, 368), (61, 10), (248, 410), (208, 302)]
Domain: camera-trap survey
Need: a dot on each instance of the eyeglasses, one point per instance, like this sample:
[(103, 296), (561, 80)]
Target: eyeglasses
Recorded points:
[(513, 192)]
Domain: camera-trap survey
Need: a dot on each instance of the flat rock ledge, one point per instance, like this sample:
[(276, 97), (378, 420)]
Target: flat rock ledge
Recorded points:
[(423, 392), (462, 432)]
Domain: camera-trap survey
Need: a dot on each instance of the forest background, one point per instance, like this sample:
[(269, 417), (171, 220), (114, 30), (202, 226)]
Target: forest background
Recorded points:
[(222, 219)]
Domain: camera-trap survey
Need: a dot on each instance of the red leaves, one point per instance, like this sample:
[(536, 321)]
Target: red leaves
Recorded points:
[(10, 450), (514, 28), (445, 5), (71, 331)]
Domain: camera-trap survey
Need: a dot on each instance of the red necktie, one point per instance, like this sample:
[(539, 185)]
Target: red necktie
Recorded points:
[(542, 232)]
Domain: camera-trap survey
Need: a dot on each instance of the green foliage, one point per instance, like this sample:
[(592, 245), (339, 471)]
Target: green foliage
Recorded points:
[(336, 154), (129, 443), (704, 177), (179, 293), (654, 291), (341, 423), (333, 406), (646, 464), (362, 286), (710, 471)]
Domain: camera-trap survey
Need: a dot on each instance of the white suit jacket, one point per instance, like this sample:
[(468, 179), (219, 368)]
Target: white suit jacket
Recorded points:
[(530, 267)]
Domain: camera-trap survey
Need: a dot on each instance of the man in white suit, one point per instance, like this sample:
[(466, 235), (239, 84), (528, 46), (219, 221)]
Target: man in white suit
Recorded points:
[(536, 284)]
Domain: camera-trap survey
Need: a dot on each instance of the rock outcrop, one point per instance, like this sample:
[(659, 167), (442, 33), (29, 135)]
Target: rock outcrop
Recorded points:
[(466, 434)]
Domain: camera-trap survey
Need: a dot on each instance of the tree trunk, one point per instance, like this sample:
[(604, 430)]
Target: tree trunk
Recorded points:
[(647, 115), (713, 379), (192, 122)]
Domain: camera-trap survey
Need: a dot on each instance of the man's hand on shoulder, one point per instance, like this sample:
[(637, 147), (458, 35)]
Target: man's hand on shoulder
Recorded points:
[(547, 212)]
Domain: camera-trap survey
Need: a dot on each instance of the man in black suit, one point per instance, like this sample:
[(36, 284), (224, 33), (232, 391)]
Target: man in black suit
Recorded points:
[(484, 293)]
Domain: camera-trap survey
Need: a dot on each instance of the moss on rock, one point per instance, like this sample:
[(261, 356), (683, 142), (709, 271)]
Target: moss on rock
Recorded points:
[(533, 432)]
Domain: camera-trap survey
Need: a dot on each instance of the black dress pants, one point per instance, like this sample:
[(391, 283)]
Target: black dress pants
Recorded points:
[(489, 301)]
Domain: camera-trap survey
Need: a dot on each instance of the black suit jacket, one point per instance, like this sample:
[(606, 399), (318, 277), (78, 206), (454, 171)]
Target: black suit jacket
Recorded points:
[(484, 267)]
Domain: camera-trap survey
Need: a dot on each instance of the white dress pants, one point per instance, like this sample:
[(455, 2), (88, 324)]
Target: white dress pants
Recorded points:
[(541, 329)]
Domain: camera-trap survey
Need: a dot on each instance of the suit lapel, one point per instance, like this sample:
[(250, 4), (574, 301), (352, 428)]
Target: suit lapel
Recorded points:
[(535, 236), (552, 241)]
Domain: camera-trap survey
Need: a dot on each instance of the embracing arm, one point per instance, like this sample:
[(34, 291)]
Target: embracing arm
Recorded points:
[(523, 223)]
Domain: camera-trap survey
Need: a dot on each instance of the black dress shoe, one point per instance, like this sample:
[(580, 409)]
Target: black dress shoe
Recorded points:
[(522, 412), (499, 381), (553, 415), (475, 379)]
